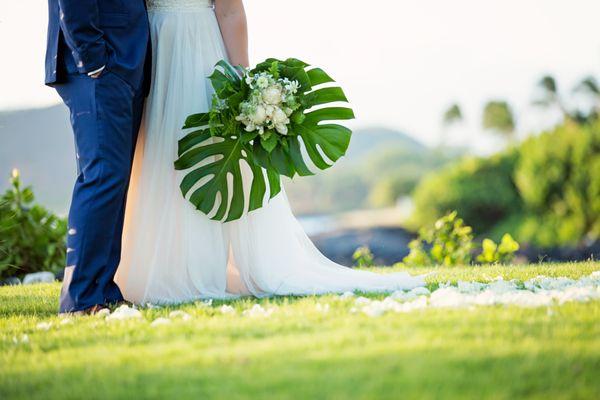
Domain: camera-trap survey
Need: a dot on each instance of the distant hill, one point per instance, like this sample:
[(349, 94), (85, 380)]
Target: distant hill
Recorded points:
[(39, 142)]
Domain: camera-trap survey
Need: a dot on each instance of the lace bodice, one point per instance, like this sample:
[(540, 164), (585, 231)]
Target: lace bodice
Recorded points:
[(178, 4)]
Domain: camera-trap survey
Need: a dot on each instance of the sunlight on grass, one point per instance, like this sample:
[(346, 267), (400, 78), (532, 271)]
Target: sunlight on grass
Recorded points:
[(309, 347)]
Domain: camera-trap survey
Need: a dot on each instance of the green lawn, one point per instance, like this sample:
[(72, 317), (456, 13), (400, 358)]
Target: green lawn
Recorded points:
[(299, 352)]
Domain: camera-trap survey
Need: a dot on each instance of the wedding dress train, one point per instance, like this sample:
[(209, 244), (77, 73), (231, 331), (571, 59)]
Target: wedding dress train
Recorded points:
[(173, 253)]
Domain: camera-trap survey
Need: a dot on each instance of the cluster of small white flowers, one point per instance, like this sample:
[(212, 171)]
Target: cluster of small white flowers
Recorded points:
[(270, 103), (536, 292)]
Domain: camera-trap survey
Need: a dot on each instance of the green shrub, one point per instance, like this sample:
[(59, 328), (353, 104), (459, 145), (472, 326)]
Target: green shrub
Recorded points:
[(503, 253), (363, 257), (32, 239), (558, 177), (481, 190), (449, 242), (545, 191)]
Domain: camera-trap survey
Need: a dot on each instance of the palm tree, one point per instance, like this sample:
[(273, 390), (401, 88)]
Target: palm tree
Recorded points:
[(549, 96), (498, 117), (452, 116), (590, 88)]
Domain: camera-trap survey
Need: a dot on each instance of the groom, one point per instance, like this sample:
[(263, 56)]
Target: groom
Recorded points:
[(97, 58)]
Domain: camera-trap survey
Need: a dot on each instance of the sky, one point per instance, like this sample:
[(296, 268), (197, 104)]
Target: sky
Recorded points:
[(401, 63)]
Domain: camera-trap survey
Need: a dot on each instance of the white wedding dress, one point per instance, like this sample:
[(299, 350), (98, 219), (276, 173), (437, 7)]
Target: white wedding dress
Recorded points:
[(173, 253)]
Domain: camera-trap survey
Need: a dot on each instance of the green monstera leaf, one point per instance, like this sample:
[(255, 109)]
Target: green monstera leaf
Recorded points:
[(214, 150)]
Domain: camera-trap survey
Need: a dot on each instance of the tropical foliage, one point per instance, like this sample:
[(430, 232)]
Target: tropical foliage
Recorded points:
[(449, 242), (545, 191), (363, 257), (32, 239), (231, 133), (481, 190), (503, 253)]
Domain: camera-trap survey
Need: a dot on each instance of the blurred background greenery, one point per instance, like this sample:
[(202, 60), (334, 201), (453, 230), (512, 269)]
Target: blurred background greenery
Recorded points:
[(543, 190)]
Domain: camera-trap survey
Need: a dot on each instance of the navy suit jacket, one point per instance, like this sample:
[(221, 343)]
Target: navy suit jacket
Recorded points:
[(84, 35)]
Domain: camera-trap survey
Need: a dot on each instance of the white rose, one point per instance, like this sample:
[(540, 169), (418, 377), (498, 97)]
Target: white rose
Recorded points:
[(279, 116), (272, 95), (282, 129), (269, 109), (259, 115)]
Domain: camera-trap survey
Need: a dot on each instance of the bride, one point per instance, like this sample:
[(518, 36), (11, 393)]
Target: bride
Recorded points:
[(173, 253)]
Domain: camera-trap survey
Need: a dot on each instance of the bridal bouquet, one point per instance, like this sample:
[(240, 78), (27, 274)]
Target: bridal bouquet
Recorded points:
[(269, 117)]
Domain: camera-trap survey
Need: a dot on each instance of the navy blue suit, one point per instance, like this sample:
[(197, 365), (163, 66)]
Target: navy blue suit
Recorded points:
[(84, 35)]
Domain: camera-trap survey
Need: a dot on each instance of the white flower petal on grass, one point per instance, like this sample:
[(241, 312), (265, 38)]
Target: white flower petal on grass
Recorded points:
[(105, 312), (44, 326), (361, 301), (502, 286), (180, 314), (420, 291), (347, 295), (204, 303), (124, 312), (258, 311), (323, 308), (160, 321), (226, 309), (470, 287)]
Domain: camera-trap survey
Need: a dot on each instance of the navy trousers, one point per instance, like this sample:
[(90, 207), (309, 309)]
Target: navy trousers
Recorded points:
[(105, 115)]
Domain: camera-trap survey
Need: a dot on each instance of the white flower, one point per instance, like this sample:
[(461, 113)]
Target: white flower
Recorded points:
[(250, 127), (346, 295), (292, 86), (259, 116), (269, 109), (279, 116), (262, 82), (66, 321), (272, 95), (282, 129), (160, 321)]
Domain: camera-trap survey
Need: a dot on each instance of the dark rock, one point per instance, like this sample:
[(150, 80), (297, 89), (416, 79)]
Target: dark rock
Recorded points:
[(388, 244), (38, 277), (12, 281)]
